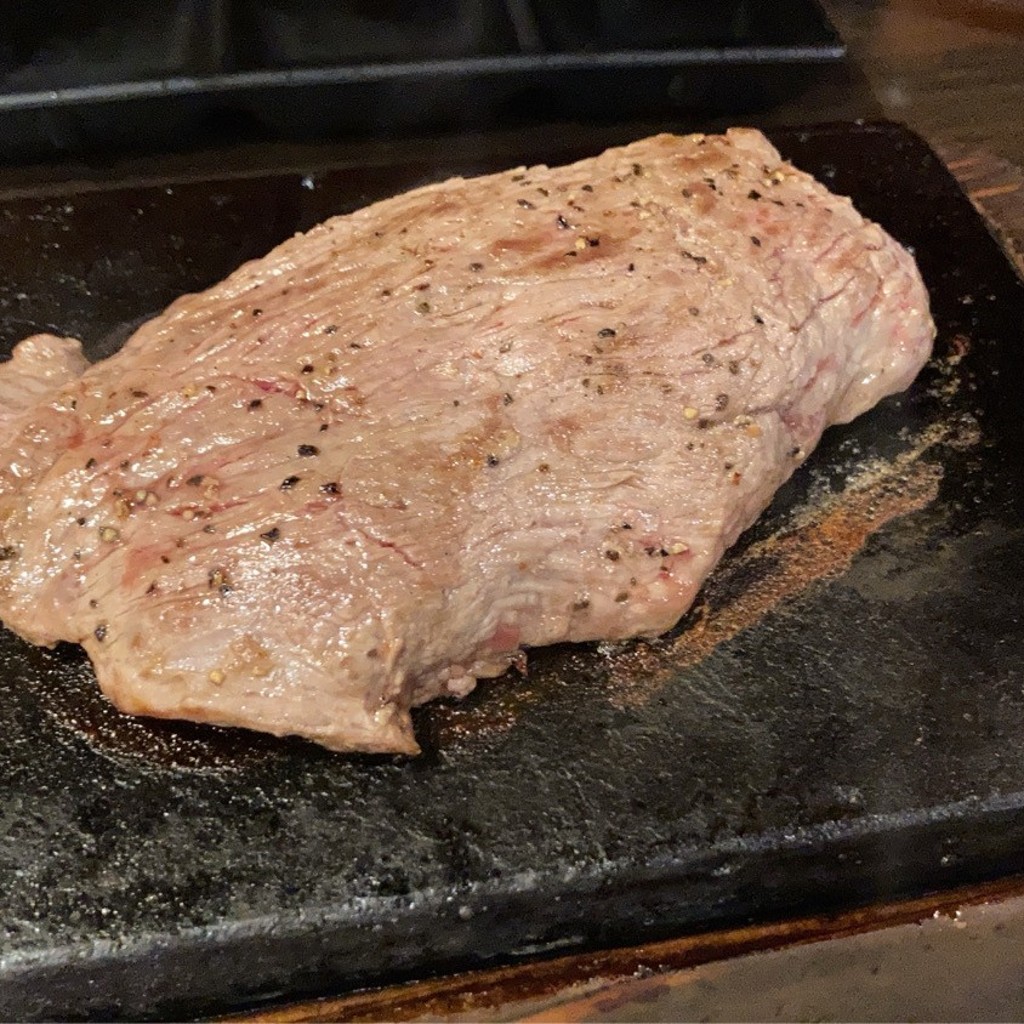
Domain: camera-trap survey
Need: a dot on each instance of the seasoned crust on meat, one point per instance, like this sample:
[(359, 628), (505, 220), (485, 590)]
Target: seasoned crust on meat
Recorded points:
[(373, 466)]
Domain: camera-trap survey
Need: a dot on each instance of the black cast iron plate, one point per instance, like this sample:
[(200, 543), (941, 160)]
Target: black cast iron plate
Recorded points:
[(840, 719)]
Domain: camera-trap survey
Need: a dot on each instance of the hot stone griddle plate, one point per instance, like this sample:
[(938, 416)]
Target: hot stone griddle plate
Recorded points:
[(839, 719)]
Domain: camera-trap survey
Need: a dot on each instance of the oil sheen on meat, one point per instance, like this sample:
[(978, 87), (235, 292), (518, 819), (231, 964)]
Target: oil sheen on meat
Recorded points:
[(486, 415)]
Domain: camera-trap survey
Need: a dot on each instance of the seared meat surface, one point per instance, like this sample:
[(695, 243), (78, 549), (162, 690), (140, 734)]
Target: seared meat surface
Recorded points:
[(375, 465)]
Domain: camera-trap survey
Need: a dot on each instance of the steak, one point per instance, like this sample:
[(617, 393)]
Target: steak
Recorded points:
[(486, 415)]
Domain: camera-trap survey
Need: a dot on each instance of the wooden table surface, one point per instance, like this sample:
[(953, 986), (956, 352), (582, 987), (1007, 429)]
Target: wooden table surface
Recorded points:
[(953, 70), (952, 956)]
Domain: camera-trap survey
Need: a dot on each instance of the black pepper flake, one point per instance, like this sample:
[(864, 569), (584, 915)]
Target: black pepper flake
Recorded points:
[(385, 292), (612, 555), (588, 359), (7, 552), (734, 367), (165, 560), (271, 535), (699, 260), (562, 222), (492, 460), (422, 307), (593, 242), (80, 520), (323, 427), (139, 393), (638, 170), (476, 266), (587, 188), (330, 488), (543, 191), (195, 481), (631, 268), (289, 482), (758, 320), (621, 597), (581, 604), (100, 632), (211, 388), (255, 403), (703, 424), (606, 332), (708, 359), (794, 452), (710, 182), (526, 204), (209, 528), (308, 368), (755, 241), (308, 450), (151, 589), (257, 312), (686, 193), (518, 177), (330, 329), (125, 463), (90, 464), (506, 399), (754, 194), (721, 401), (694, 311)]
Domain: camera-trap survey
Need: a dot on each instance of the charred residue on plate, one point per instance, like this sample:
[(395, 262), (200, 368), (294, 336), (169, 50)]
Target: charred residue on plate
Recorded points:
[(70, 698), (491, 709), (819, 542)]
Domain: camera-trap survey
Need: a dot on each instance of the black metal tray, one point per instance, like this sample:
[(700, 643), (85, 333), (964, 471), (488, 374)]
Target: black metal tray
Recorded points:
[(840, 719), (131, 73)]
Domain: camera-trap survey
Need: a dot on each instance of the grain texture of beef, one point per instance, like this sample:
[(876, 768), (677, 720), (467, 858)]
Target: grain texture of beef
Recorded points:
[(375, 465)]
